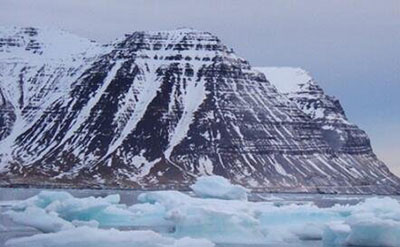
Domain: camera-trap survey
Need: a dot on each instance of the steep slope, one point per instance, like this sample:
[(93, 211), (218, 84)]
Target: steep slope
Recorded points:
[(36, 68), (300, 88), (157, 109)]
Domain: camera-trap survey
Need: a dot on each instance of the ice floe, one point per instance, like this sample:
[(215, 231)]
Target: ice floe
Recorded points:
[(40, 219), (106, 211), (375, 222), (214, 216), (93, 237), (218, 187)]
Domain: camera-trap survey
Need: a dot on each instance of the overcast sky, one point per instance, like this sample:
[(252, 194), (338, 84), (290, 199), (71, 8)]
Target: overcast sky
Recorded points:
[(352, 48)]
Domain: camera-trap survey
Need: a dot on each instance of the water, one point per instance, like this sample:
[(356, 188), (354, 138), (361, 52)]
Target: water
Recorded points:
[(13, 230)]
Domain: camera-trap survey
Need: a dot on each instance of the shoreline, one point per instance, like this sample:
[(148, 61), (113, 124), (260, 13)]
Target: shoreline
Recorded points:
[(179, 188)]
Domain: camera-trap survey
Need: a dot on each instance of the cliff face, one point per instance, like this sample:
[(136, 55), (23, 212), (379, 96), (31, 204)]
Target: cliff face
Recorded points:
[(296, 84), (157, 109)]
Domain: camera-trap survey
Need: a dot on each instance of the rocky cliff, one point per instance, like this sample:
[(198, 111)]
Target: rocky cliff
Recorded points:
[(157, 109)]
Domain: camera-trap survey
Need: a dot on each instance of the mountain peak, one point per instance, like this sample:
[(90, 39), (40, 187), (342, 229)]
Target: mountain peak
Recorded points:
[(157, 109), (185, 36), (43, 43)]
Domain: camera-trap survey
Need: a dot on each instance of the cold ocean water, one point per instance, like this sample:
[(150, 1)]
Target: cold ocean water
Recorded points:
[(267, 220)]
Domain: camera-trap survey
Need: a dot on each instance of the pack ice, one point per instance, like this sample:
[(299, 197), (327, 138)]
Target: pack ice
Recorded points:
[(217, 212)]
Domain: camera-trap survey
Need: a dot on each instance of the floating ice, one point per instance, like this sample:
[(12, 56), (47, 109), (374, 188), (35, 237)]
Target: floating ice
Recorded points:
[(93, 237), (374, 232), (43, 199), (234, 221), (364, 232), (335, 234), (218, 187), (374, 222), (106, 211), (38, 218), (151, 215), (229, 221)]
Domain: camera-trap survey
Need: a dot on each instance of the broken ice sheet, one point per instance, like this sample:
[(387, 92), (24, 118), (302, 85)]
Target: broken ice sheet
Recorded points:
[(59, 215)]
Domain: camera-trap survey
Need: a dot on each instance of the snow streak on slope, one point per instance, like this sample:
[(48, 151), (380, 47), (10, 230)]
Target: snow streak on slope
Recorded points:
[(145, 91), (193, 96), (38, 66), (326, 110)]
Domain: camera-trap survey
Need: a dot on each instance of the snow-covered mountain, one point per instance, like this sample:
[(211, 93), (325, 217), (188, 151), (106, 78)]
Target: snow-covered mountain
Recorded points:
[(157, 109), (301, 89)]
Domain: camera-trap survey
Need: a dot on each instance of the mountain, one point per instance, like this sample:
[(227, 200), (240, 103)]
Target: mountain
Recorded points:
[(296, 84), (157, 109)]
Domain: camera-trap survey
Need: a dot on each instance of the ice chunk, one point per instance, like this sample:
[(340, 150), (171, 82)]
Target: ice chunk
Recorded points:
[(216, 224), (92, 208), (386, 207), (93, 237), (335, 234), (375, 222), (224, 221), (218, 187), (293, 221), (371, 232), (168, 199), (113, 199), (40, 219), (374, 232), (106, 211), (43, 199), (152, 215)]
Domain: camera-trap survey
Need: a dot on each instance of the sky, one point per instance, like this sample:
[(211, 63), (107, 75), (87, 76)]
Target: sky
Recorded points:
[(352, 48)]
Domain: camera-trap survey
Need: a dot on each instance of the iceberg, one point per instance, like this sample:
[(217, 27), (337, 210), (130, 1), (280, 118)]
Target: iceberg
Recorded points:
[(335, 234), (366, 232), (43, 199), (40, 219), (374, 232), (93, 237), (178, 217), (375, 223), (223, 221), (218, 187), (106, 211)]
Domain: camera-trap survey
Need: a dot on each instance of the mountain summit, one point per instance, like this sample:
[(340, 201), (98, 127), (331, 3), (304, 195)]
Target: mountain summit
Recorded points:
[(158, 109)]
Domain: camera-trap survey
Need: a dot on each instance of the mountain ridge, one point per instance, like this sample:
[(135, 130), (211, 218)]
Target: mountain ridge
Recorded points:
[(157, 109)]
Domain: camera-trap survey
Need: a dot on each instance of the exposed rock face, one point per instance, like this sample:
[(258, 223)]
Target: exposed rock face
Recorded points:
[(157, 109), (341, 135)]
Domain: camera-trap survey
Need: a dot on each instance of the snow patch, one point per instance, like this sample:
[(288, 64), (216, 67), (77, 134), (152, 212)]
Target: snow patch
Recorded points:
[(286, 79)]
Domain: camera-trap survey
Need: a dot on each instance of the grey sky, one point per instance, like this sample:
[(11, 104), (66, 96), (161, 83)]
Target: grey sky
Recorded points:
[(351, 47)]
